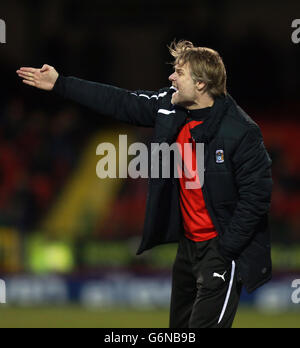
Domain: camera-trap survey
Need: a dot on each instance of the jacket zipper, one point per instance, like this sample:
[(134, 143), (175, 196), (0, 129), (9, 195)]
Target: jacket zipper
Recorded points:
[(206, 195)]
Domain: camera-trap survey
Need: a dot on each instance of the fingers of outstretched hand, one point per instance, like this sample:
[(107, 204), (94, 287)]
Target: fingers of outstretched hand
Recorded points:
[(25, 74), (27, 78), (30, 83), (28, 70)]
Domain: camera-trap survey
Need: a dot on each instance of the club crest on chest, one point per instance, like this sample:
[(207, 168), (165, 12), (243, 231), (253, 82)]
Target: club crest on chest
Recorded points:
[(219, 156)]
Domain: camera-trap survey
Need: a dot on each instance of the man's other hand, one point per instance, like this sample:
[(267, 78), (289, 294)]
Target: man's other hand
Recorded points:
[(43, 78)]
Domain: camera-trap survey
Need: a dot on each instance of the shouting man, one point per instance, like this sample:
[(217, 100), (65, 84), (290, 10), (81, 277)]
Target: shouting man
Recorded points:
[(221, 227)]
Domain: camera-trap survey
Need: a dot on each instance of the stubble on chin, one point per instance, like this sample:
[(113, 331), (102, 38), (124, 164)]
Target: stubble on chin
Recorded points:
[(175, 98)]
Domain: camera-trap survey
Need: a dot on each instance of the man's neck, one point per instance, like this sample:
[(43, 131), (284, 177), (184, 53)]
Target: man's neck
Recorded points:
[(205, 101)]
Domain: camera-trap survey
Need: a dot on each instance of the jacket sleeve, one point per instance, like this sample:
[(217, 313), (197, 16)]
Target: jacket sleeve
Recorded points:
[(252, 167), (138, 108)]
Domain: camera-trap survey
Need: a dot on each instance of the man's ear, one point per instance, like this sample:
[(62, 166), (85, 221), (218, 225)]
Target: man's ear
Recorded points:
[(200, 86)]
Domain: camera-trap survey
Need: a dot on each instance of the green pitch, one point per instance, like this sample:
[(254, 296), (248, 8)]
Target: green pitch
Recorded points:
[(78, 317)]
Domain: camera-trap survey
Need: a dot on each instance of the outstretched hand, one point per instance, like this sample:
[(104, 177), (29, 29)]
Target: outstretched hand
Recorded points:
[(43, 78)]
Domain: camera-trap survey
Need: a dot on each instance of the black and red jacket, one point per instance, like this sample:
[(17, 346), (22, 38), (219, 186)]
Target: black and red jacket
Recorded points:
[(237, 190)]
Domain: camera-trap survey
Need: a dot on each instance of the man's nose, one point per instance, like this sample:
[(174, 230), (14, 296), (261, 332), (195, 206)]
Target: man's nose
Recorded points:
[(172, 77)]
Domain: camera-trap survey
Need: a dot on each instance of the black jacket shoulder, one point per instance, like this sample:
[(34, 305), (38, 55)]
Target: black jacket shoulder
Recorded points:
[(237, 123)]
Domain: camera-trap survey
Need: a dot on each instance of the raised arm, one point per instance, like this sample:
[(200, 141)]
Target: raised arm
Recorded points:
[(137, 108)]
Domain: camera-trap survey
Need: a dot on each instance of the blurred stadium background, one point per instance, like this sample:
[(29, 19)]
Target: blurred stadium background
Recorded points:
[(67, 239)]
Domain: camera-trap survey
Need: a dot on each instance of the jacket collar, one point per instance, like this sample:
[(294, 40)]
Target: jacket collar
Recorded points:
[(209, 128), (204, 132)]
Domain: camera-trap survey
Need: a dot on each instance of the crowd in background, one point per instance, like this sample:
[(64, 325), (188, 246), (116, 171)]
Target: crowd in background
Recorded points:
[(37, 154)]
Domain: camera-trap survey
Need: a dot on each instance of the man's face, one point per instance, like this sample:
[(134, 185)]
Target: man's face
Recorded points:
[(186, 88)]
